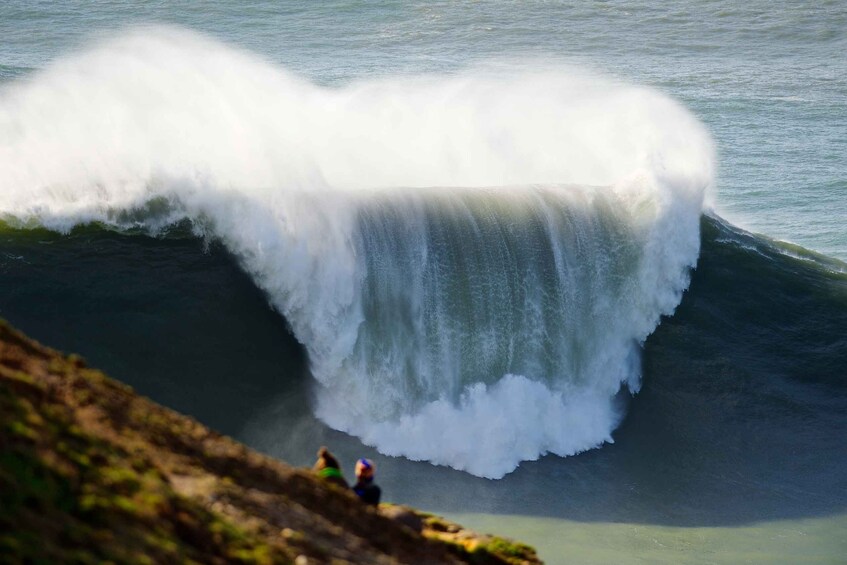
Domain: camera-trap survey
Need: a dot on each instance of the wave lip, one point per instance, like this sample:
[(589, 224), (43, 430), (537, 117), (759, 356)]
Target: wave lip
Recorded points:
[(494, 326), (518, 302)]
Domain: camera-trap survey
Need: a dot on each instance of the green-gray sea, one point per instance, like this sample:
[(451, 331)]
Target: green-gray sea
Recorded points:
[(568, 272)]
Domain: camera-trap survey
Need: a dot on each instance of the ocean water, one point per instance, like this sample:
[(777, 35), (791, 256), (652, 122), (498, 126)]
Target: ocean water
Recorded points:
[(572, 272)]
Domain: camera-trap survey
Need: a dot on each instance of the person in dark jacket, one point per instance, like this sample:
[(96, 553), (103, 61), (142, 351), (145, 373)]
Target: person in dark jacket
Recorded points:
[(365, 487), (327, 467)]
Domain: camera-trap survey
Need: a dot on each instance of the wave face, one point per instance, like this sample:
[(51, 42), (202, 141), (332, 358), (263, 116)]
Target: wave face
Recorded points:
[(474, 327)]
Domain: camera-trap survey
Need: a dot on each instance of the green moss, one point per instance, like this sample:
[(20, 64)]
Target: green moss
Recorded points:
[(260, 554), (24, 378), (90, 473), (438, 524), (499, 550), (21, 429), (120, 479), (161, 541), (75, 360), (81, 459), (32, 484)]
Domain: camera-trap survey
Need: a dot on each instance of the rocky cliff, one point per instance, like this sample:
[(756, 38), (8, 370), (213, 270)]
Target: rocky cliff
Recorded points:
[(92, 472)]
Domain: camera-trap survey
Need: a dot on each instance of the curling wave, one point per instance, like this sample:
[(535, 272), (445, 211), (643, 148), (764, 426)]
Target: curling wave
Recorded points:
[(471, 261)]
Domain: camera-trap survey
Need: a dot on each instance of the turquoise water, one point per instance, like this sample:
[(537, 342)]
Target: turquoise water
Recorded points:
[(435, 227)]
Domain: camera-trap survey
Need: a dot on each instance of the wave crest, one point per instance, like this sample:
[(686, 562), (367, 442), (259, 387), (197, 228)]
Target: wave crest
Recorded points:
[(474, 327)]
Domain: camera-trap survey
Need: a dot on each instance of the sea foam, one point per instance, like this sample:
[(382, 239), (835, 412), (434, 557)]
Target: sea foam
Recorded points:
[(471, 261)]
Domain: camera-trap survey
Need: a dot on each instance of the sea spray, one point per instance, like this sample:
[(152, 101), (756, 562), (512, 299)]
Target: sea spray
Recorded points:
[(471, 261)]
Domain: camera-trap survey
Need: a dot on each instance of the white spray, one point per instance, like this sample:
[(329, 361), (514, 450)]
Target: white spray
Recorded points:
[(471, 261)]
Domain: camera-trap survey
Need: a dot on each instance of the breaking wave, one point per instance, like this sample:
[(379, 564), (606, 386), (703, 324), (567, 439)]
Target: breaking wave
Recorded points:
[(472, 261)]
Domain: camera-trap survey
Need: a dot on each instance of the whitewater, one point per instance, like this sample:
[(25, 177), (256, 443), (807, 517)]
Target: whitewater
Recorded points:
[(472, 261)]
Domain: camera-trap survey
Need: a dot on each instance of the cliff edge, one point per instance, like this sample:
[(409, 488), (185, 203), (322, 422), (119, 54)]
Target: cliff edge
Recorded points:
[(92, 472)]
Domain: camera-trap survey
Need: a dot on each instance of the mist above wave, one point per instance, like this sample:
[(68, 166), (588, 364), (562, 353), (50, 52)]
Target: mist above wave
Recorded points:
[(475, 327)]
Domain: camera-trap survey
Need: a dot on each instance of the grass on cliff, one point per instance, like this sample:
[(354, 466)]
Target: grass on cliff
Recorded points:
[(90, 472), (68, 495)]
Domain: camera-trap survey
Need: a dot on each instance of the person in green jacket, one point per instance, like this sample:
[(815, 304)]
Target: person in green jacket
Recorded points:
[(327, 467)]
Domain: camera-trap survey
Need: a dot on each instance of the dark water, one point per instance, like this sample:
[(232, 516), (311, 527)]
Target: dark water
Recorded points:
[(173, 317), (742, 417)]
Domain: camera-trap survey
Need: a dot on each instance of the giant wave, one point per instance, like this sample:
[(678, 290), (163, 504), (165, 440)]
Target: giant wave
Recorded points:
[(471, 261)]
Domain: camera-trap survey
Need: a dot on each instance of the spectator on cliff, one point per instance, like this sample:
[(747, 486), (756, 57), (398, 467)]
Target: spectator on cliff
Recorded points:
[(365, 487), (327, 467)]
